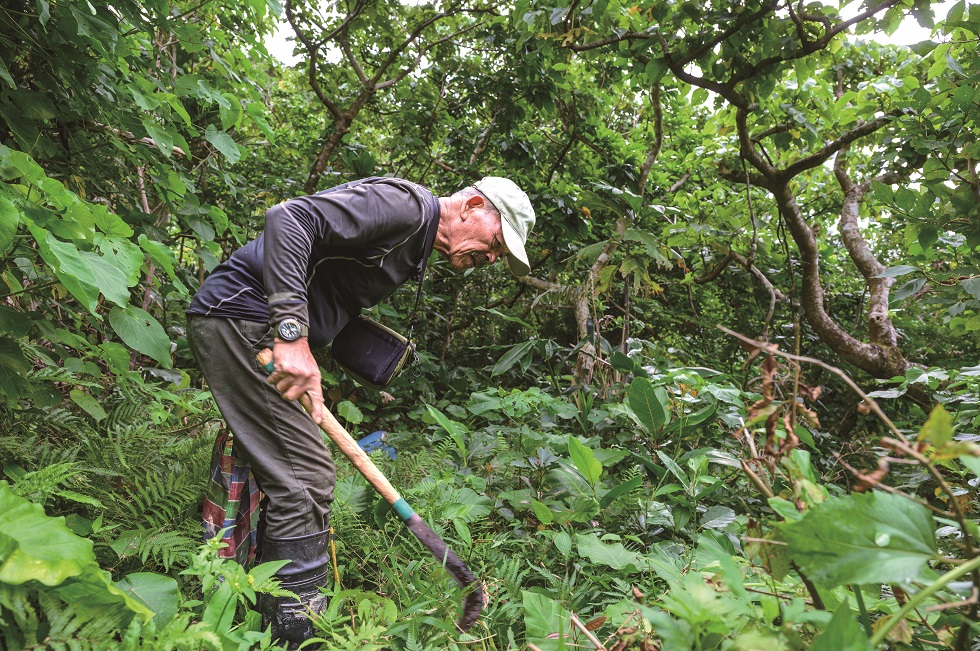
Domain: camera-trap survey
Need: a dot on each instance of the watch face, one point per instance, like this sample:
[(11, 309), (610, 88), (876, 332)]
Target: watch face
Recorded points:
[(289, 330)]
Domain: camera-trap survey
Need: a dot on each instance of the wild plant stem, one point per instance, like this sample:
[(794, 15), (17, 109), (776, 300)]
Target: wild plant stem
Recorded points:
[(862, 609), (922, 595)]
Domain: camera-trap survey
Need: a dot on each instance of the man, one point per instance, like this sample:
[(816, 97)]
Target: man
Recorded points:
[(320, 260)]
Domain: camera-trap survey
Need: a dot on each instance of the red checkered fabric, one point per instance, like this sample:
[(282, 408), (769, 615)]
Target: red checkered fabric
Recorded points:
[(232, 502)]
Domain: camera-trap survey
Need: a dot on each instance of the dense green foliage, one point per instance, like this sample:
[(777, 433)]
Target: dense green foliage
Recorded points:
[(587, 440)]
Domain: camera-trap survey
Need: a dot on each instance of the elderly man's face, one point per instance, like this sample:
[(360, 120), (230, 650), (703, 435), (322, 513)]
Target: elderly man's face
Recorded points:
[(479, 239)]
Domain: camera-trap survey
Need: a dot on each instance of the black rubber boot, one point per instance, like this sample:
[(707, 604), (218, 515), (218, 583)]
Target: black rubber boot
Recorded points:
[(305, 575)]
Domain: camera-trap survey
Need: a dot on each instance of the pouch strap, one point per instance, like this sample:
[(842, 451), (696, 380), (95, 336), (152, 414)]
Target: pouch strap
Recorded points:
[(430, 238)]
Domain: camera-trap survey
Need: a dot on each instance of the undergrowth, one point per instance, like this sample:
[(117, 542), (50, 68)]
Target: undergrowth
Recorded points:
[(673, 510)]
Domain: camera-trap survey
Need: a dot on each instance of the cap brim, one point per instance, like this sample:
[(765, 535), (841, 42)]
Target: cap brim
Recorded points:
[(516, 255)]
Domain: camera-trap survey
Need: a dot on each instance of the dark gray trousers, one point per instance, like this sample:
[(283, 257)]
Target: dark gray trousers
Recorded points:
[(281, 443)]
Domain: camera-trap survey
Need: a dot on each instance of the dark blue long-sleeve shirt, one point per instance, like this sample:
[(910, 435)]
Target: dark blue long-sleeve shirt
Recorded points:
[(324, 257)]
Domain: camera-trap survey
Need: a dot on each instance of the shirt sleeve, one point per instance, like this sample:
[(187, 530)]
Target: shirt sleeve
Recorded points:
[(367, 219)]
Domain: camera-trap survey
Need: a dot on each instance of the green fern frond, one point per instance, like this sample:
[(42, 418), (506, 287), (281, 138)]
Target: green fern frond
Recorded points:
[(166, 548), (38, 485), (43, 621)]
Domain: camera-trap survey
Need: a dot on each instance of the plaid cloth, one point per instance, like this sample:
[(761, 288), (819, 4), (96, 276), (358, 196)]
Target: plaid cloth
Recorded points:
[(231, 502)]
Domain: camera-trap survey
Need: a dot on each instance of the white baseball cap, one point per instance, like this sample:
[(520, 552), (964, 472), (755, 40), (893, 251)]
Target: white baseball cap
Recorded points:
[(516, 218)]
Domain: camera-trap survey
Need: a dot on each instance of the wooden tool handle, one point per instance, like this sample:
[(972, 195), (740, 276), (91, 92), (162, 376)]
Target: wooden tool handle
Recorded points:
[(328, 423)]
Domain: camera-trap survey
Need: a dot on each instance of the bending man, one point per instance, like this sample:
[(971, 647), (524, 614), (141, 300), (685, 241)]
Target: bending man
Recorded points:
[(320, 260)]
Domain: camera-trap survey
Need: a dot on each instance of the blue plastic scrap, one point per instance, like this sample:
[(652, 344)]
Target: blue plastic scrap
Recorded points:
[(377, 441)]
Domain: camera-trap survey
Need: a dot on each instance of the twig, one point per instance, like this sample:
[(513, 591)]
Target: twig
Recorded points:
[(587, 633), (765, 541), (773, 350), (761, 485), (974, 598), (903, 446), (787, 597), (889, 489)]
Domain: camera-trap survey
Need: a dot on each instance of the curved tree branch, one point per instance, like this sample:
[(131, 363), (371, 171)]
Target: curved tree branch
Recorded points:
[(824, 153)]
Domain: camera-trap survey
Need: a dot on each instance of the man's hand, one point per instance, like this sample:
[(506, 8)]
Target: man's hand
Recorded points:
[(296, 373)]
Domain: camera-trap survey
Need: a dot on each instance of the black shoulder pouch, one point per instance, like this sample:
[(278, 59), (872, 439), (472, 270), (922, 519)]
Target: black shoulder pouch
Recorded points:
[(371, 353)]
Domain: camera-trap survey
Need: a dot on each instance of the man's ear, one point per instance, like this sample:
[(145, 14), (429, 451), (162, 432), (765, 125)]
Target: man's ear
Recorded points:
[(473, 202)]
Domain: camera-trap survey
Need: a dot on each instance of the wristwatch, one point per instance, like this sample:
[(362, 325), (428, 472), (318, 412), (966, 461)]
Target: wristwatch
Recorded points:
[(291, 330)]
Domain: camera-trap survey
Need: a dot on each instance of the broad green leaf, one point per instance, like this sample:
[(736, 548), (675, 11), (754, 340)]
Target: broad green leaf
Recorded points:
[(349, 412), (862, 538), (843, 633), (620, 489), (700, 416), (648, 404), (14, 322), (116, 356), (674, 469), (230, 115), (715, 550), (972, 286), (613, 555), (110, 223), (162, 136), (36, 547), (512, 356), (111, 280), (140, 331), (158, 592), (544, 620), (220, 611), (938, 430), (178, 107), (584, 459), (971, 462), (69, 266), (717, 517), (265, 571), (12, 357), (5, 74), (88, 403), (9, 219), (447, 424), (786, 509), (257, 112), (464, 532), (223, 143), (122, 254), (203, 229), (900, 270), (163, 256), (506, 317), (563, 543), (908, 289), (542, 512), (622, 362), (147, 103)]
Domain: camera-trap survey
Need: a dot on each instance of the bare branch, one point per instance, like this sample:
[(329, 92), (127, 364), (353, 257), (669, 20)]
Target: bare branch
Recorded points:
[(677, 67), (658, 140), (354, 63), (824, 153)]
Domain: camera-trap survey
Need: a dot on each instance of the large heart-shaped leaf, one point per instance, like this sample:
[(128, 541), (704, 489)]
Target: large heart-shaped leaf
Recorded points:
[(157, 592), (862, 538), (139, 330)]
